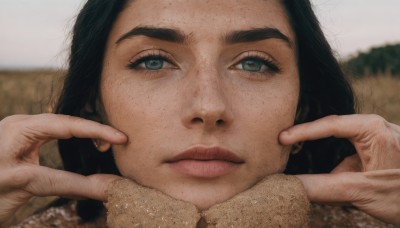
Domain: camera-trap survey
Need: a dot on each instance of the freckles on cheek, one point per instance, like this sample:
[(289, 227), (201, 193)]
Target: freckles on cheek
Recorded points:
[(269, 117), (118, 102), (274, 112), (136, 108)]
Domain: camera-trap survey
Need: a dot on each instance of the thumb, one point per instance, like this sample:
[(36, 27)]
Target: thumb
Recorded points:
[(329, 188), (48, 182)]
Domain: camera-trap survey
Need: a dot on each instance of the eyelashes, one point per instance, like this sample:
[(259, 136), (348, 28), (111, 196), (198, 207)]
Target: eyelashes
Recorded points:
[(252, 63), (151, 61)]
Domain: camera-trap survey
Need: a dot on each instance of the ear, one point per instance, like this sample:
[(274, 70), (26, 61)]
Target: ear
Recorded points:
[(296, 148), (94, 110), (101, 145), (302, 111)]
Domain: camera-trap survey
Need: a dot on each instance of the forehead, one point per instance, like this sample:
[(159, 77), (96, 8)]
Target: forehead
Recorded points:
[(196, 17)]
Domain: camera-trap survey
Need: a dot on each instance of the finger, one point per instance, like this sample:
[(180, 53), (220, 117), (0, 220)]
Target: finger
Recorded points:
[(330, 188), (24, 134), (51, 182), (395, 129), (347, 126), (375, 192), (63, 126), (50, 126)]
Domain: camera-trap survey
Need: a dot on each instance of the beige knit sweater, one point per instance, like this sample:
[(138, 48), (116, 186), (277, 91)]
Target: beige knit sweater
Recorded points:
[(321, 216)]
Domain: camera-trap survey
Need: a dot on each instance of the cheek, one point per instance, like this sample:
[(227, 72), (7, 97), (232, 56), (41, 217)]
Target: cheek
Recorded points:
[(269, 106), (143, 114), (263, 115), (130, 105)]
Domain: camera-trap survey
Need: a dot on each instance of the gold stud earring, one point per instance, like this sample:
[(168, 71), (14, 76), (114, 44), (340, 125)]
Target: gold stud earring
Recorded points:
[(101, 145), (95, 143)]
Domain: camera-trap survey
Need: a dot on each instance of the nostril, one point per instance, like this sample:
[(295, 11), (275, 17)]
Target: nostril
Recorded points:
[(197, 120), (219, 122)]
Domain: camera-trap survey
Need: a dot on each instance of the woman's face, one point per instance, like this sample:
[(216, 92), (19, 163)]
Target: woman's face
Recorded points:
[(202, 89)]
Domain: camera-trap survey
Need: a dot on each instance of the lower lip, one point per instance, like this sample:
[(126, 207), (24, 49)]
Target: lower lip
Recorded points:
[(204, 169)]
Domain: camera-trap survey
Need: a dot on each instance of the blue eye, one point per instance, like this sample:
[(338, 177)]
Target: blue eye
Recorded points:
[(257, 65), (151, 63), (252, 65), (154, 64)]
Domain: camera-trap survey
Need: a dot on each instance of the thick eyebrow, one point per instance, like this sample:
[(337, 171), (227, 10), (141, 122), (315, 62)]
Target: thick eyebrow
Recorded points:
[(176, 36), (165, 34), (256, 34)]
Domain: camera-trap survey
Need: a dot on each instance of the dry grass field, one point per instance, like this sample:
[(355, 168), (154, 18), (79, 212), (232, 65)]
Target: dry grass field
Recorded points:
[(379, 95), (31, 92)]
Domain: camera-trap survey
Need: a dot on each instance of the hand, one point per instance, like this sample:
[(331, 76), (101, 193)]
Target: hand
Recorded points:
[(377, 193), (377, 141), (21, 176), (376, 190)]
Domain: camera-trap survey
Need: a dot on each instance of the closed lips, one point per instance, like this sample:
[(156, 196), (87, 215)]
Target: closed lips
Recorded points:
[(207, 154)]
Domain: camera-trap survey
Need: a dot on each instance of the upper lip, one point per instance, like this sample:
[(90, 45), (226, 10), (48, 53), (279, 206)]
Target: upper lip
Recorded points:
[(207, 154)]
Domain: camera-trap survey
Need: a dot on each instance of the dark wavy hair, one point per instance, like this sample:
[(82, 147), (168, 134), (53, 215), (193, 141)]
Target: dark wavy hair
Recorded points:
[(324, 90)]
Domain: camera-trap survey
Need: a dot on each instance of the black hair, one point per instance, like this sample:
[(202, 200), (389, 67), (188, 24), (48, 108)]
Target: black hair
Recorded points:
[(324, 91), (80, 93)]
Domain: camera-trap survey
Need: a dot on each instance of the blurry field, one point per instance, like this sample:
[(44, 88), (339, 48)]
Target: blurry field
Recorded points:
[(379, 95), (32, 92)]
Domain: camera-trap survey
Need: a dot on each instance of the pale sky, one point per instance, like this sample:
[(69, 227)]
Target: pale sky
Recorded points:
[(34, 33)]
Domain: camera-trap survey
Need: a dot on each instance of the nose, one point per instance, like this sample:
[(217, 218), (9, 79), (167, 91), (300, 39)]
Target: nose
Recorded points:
[(206, 104)]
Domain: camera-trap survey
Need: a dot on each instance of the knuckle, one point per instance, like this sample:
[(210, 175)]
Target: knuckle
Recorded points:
[(348, 159), (12, 125), (397, 146), (79, 122), (10, 120), (20, 176), (377, 121), (355, 189), (67, 121), (39, 120), (68, 117), (50, 182), (333, 117), (73, 119), (44, 116)]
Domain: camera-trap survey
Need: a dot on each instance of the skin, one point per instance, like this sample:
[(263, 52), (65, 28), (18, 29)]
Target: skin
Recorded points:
[(370, 180), (203, 98)]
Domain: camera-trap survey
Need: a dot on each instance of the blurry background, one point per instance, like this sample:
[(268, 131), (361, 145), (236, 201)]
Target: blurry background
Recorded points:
[(34, 39), (35, 33)]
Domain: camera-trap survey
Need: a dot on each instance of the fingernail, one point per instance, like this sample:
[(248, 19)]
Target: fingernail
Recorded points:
[(120, 134)]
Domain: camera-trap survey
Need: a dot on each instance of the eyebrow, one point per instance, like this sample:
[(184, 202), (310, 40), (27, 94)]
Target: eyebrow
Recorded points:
[(256, 34), (165, 34), (176, 36)]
